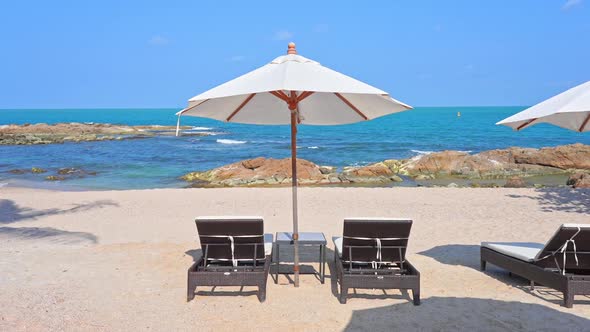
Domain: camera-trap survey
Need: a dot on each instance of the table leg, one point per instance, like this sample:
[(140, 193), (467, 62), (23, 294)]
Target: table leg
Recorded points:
[(277, 265), (322, 262)]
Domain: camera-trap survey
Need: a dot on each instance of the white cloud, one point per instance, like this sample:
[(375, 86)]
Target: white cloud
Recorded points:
[(283, 35), (569, 4), (237, 58), (158, 40)]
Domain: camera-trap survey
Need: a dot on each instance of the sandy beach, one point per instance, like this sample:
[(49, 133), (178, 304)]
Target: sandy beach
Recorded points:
[(117, 260)]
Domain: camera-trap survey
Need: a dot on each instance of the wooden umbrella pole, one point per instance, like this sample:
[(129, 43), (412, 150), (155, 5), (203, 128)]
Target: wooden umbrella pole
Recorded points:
[(293, 108)]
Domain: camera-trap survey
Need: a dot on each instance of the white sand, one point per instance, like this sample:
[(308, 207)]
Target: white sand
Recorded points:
[(116, 260)]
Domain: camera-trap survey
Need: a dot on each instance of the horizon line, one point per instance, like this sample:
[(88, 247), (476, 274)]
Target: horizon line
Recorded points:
[(160, 108)]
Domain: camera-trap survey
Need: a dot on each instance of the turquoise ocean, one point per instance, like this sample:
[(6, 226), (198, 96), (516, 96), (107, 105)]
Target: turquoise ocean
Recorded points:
[(158, 162)]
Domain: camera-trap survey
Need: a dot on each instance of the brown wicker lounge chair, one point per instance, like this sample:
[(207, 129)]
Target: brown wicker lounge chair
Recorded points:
[(235, 252), (372, 254), (563, 263)]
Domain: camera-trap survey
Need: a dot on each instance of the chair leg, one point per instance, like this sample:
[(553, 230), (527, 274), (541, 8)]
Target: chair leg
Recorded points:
[(262, 293), (343, 294), (191, 288), (416, 296), (483, 265), (568, 299)]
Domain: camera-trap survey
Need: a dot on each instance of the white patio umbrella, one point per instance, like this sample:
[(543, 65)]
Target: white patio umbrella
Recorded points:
[(569, 109), (293, 90)]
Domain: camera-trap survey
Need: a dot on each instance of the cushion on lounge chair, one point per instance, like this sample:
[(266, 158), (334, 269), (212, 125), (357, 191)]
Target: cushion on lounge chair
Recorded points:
[(267, 244), (525, 251), (530, 252), (338, 244)]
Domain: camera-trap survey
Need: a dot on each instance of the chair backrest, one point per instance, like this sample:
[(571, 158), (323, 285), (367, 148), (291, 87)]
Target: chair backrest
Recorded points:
[(578, 238), (362, 238), (247, 234)]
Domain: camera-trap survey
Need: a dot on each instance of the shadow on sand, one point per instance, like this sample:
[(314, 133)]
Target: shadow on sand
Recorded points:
[(561, 199), (10, 212), (465, 314), (47, 235), (455, 254)]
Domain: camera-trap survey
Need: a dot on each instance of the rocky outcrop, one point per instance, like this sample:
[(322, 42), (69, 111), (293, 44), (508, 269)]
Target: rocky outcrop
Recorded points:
[(512, 164), (579, 180), (259, 171), (374, 173), (515, 182), (69, 173), (264, 172), (500, 163), (574, 156), (59, 174), (78, 132)]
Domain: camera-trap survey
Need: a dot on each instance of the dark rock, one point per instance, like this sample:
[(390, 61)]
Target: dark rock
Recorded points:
[(253, 163), (579, 180), (68, 171), (54, 178), (515, 182)]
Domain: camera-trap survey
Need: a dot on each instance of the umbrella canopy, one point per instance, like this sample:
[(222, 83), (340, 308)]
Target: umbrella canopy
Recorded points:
[(293, 90), (323, 96), (570, 110)]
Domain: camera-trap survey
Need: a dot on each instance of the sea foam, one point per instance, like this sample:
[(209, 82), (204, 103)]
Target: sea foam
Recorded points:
[(422, 152), (229, 141)]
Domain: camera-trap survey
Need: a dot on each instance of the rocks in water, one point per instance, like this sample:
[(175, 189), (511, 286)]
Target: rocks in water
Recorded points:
[(515, 182), (42, 133), (60, 174), (579, 180), (328, 169), (423, 177), (268, 171), (374, 173), (54, 178), (72, 172), (259, 172), (69, 171), (573, 156), (452, 185), (496, 164), (513, 164), (263, 171)]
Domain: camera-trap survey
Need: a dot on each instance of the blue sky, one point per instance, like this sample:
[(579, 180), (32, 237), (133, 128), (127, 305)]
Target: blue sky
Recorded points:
[(68, 54)]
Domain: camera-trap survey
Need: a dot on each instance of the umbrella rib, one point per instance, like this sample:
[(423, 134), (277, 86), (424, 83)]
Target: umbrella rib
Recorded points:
[(349, 104), (526, 124), (240, 107), (304, 95), (190, 108), (583, 126), (281, 95)]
